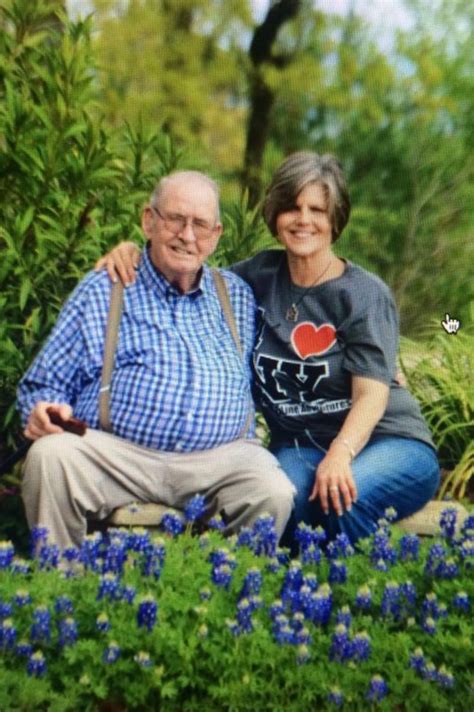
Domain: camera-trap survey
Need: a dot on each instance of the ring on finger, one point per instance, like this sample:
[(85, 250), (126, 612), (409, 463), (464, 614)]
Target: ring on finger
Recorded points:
[(334, 488)]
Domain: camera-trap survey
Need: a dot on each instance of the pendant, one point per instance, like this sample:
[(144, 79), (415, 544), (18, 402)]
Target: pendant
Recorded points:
[(292, 313)]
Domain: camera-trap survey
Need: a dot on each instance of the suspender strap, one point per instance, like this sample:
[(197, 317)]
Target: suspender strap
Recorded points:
[(111, 334), (223, 294)]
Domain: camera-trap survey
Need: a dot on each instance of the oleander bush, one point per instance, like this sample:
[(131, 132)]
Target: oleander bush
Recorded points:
[(180, 622)]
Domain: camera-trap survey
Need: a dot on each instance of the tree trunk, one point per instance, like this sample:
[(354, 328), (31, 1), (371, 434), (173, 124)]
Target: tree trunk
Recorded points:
[(261, 96)]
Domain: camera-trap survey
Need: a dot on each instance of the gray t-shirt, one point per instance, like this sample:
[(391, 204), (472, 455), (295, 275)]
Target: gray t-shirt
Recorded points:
[(346, 326)]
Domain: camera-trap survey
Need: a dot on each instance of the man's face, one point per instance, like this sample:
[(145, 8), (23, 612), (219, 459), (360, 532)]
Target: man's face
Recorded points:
[(177, 251)]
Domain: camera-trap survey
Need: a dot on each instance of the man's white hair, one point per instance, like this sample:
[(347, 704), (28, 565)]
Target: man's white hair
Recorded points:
[(193, 175)]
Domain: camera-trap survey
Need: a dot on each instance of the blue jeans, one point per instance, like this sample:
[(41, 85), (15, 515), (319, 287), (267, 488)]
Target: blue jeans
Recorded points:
[(389, 472)]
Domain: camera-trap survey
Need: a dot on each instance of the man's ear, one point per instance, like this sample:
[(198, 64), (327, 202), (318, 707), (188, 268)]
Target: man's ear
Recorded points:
[(148, 222)]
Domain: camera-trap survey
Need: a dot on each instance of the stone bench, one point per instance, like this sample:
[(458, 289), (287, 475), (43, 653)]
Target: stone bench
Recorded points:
[(425, 522)]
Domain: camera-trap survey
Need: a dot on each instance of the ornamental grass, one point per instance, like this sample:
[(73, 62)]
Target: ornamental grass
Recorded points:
[(178, 621)]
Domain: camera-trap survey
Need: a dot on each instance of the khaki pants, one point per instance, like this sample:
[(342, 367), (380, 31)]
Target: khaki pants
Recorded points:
[(68, 478)]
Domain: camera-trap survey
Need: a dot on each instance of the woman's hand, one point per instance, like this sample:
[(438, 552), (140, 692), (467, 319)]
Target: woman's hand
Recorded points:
[(122, 261), (334, 482)]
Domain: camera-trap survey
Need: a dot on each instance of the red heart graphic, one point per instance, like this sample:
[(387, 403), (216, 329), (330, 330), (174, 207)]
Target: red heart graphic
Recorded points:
[(309, 340)]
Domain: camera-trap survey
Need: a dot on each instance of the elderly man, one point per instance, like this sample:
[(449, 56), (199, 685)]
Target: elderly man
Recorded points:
[(180, 392)]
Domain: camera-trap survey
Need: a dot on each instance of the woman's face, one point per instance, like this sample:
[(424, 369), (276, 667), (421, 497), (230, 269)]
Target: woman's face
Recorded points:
[(305, 229)]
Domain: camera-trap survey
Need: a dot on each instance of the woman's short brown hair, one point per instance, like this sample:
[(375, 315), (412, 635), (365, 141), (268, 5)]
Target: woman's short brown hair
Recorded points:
[(295, 173)]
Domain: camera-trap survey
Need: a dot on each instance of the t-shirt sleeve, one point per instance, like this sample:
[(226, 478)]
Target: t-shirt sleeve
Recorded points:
[(371, 338)]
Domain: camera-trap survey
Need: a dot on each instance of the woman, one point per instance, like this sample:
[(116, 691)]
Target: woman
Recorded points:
[(350, 438)]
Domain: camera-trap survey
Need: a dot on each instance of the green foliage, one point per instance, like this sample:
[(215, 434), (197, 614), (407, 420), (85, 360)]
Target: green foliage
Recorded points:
[(68, 189), (197, 663), (441, 376)]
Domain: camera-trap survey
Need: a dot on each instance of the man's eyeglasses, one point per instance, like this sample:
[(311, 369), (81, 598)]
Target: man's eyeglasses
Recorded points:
[(176, 223)]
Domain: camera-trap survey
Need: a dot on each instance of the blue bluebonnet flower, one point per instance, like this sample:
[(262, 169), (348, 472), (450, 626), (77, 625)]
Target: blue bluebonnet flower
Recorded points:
[(429, 625), (245, 538), (195, 508), (48, 556), (143, 659), (111, 653), (205, 593), (409, 547), (302, 637), (311, 581), (68, 633), (444, 677), (303, 654), (102, 623), (363, 599), (129, 593), (360, 646), (139, 540), (390, 605), (321, 605), (38, 535), (461, 601), (466, 551), (337, 572), (70, 554), (20, 566), (89, 552), (147, 612), (311, 555), (341, 647), (153, 558), (115, 556), (172, 524), (344, 616), (36, 665), (7, 634), (390, 514), (244, 615), (264, 536), (429, 672), (292, 581), (447, 522), (382, 549), (302, 601), (417, 660), (273, 565), (222, 575), (6, 609), (431, 607), (41, 628), (282, 631), (335, 696), (22, 597), (7, 552), (252, 582), (447, 569), (283, 556), (297, 622), (436, 554), (221, 556), (340, 547), (216, 522), (233, 626), (23, 648), (276, 609), (63, 604), (109, 587), (378, 689), (408, 592)]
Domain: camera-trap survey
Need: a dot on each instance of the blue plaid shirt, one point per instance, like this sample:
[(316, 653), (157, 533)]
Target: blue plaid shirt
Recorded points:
[(178, 384)]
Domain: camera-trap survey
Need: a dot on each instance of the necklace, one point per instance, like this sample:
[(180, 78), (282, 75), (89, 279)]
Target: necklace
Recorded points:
[(292, 311)]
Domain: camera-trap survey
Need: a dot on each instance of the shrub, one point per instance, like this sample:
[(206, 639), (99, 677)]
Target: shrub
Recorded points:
[(68, 189), (440, 374), (184, 623)]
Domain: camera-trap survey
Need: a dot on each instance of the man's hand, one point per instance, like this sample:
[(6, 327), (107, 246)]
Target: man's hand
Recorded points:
[(121, 261), (39, 422), (334, 480)]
